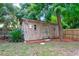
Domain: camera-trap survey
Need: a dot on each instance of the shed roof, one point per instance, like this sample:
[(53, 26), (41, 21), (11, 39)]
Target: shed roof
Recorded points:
[(36, 21)]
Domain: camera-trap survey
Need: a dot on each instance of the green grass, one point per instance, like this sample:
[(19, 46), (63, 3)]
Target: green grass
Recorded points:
[(48, 49)]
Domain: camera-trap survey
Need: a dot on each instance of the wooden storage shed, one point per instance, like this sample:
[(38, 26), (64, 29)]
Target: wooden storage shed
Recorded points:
[(38, 31)]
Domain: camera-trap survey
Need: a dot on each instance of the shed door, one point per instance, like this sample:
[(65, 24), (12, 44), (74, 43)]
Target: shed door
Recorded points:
[(45, 32)]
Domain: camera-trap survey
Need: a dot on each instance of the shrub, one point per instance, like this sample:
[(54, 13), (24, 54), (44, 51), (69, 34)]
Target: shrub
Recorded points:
[(16, 35)]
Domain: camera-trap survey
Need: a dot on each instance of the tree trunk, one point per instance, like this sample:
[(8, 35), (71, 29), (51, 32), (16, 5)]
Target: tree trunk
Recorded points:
[(60, 28)]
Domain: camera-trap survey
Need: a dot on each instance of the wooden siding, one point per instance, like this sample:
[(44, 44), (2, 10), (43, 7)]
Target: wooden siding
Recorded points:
[(43, 30)]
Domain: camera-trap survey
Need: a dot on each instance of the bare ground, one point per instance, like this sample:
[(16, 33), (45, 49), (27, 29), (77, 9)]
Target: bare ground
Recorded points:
[(48, 49)]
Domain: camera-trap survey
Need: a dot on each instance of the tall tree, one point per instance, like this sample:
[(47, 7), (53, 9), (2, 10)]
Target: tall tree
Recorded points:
[(8, 15)]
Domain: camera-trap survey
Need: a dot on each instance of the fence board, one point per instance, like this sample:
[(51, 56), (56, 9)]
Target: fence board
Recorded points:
[(72, 34)]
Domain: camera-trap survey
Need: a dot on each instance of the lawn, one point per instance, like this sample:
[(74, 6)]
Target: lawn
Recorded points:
[(48, 49)]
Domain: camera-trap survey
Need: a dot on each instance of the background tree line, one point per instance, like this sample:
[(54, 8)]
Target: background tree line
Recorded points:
[(11, 14)]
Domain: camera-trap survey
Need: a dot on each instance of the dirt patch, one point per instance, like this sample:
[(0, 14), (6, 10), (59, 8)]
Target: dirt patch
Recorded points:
[(48, 49), (3, 41)]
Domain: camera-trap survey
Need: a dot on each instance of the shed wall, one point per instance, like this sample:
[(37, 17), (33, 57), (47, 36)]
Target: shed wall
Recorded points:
[(42, 31)]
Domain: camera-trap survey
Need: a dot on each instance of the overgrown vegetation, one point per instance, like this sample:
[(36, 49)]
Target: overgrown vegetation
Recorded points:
[(16, 35)]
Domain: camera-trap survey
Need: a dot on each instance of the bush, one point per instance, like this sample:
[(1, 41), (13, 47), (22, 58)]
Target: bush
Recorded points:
[(16, 35)]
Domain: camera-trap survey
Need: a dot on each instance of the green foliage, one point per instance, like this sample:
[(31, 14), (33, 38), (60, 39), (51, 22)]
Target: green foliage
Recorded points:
[(10, 13), (71, 17), (65, 25), (16, 35), (53, 19)]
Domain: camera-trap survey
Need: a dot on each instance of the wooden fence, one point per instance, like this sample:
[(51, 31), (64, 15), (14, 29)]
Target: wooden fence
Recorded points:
[(71, 34)]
